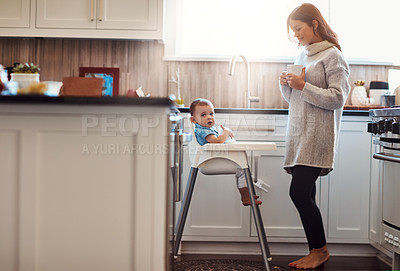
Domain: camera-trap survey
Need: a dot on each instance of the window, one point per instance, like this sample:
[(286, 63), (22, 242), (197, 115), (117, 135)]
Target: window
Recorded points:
[(257, 28), (367, 29)]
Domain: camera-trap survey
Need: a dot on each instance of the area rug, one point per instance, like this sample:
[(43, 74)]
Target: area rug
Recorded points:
[(223, 265)]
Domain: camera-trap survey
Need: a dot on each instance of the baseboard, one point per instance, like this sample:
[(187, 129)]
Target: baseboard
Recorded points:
[(252, 248)]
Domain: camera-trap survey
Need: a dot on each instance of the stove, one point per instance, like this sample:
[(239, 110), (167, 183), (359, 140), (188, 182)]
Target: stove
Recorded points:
[(385, 128)]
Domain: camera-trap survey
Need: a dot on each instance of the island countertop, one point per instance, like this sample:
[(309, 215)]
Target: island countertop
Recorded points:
[(41, 99)]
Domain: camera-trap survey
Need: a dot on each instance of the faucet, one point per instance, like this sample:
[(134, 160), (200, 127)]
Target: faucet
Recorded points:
[(248, 98)]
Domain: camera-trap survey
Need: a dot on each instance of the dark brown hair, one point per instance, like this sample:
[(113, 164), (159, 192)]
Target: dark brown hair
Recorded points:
[(199, 101), (307, 13)]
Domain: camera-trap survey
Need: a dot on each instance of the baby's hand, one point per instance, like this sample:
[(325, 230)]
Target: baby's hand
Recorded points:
[(227, 130)]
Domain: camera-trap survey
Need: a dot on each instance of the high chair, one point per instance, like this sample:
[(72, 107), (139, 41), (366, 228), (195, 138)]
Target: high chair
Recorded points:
[(216, 159)]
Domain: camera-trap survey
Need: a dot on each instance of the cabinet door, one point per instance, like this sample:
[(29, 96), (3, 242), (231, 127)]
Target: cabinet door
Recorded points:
[(348, 185), (15, 13), (98, 14), (127, 14), (66, 14), (279, 214), (216, 209)]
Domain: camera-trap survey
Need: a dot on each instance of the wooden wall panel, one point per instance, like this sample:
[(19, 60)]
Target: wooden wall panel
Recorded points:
[(141, 64)]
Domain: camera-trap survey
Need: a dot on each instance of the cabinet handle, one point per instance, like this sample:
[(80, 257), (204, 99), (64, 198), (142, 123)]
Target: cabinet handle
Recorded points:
[(92, 10), (100, 10)]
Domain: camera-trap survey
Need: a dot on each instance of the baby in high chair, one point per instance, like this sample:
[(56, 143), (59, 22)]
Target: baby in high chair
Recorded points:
[(203, 116)]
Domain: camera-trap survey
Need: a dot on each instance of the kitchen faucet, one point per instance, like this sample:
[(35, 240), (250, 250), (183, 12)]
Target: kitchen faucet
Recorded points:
[(248, 98)]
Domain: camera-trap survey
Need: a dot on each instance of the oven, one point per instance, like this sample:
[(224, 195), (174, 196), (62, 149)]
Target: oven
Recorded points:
[(384, 127)]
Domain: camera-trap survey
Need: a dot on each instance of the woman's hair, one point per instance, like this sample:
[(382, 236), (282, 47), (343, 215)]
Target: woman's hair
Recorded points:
[(307, 13), (199, 101)]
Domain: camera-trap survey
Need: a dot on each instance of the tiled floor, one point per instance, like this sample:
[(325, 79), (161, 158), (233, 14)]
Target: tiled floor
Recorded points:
[(335, 263)]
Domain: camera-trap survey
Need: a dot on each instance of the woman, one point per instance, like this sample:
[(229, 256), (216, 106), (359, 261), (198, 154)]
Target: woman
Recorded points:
[(316, 100)]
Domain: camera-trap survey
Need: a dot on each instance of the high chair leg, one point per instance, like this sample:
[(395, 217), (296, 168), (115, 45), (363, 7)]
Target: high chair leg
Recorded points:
[(185, 208), (258, 220)]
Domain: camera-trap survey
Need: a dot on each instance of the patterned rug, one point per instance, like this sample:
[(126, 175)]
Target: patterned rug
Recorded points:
[(223, 265)]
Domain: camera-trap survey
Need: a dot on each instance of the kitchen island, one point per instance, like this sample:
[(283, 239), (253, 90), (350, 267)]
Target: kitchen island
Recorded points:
[(83, 183)]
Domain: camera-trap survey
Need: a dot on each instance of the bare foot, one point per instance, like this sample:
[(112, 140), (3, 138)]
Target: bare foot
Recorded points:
[(247, 202), (299, 261), (244, 192), (317, 257)]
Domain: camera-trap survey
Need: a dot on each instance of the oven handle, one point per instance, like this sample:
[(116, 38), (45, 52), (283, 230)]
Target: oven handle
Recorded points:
[(383, 156)]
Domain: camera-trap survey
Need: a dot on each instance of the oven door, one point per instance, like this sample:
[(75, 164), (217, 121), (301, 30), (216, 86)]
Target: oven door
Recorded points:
[(391, 185)]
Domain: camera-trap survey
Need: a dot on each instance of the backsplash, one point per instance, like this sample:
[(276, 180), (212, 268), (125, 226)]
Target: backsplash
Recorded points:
[(141, 64)]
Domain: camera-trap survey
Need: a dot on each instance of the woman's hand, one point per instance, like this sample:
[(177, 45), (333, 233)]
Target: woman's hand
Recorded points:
[(296, 82), (282, 78)]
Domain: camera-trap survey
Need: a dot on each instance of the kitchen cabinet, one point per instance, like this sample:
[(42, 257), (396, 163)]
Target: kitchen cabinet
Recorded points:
[(279, 214), (216, 210), (343, 195), (97, 14), (78, 188), (119, 19), (345, 191), (15, 14)]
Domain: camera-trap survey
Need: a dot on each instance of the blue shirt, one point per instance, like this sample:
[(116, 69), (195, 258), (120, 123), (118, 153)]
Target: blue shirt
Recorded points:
[(202, 132)]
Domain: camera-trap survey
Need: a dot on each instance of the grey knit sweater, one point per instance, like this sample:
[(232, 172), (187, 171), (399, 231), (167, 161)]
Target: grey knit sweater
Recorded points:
[(316, 111)]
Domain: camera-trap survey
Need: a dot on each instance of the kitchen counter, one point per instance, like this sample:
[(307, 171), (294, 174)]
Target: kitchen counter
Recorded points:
[(149, 101), (84, 167), (41, 99), (272, 111)]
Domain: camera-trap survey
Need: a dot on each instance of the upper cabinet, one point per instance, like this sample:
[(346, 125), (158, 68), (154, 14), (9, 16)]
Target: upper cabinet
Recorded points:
[(97, 14), (15, 13), (117, 19)]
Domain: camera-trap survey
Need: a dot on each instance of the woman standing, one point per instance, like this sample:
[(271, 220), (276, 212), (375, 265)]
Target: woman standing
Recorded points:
[(316, 99)]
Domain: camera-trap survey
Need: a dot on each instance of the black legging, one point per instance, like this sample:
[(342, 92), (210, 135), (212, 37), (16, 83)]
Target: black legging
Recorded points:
[(302, 192)]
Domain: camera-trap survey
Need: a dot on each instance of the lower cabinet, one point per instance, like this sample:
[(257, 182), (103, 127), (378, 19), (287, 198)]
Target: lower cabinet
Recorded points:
[(75, 196), (216, 208), (279, 215), (343, 195), (345, 191)]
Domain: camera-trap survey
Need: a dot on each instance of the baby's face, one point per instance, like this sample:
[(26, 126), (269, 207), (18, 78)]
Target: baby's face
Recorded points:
[(204, 115)]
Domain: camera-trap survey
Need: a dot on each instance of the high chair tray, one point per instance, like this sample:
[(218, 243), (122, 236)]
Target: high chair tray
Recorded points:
[(241, 146)]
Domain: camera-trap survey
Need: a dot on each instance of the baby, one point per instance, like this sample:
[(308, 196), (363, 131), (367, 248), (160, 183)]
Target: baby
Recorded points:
[(202, 115)]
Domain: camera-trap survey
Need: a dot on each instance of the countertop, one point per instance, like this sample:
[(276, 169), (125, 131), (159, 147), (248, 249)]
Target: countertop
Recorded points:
[(272, 111), (41, 99), (150, 101)]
